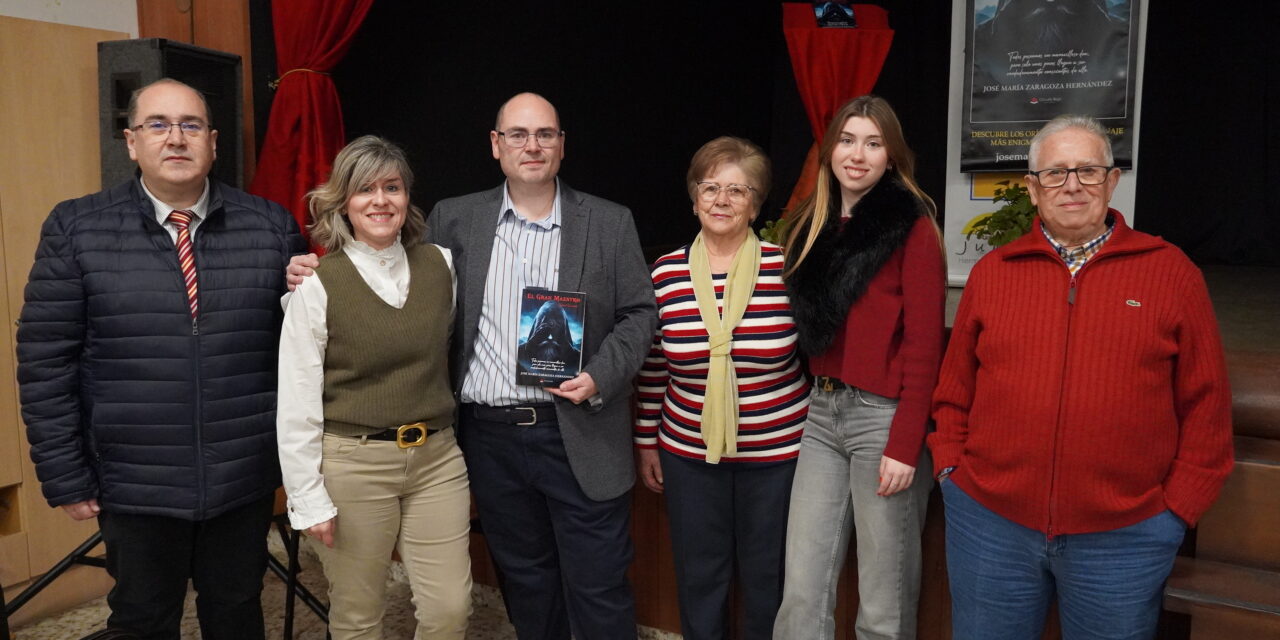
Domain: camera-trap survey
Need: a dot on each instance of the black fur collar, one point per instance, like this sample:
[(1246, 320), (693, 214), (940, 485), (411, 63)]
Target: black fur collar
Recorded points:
[(843, 261)]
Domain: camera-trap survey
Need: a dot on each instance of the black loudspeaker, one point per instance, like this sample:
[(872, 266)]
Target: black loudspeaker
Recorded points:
[(126, 65)]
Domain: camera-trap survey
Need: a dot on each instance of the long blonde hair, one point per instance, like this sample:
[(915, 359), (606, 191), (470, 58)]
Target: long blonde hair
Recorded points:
[(810, 216)]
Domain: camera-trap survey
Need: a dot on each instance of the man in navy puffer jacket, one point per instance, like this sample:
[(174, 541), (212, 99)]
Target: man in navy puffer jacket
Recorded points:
[(150, 406)]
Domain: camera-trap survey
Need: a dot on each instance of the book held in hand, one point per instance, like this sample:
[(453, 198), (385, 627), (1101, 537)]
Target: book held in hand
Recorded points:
[(549, 349)]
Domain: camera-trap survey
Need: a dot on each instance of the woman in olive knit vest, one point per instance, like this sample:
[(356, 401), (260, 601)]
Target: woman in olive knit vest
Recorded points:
[(365, 413)]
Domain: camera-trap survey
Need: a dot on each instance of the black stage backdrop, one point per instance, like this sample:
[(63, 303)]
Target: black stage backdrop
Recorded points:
[(640, 86), (1209, 139)]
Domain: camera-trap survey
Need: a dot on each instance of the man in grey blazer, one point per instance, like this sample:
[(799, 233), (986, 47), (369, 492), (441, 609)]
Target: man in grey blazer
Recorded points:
[(551, 469)]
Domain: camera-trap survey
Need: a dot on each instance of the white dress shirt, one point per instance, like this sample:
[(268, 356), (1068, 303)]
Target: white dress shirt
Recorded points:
[(199, 210), (300, 405)]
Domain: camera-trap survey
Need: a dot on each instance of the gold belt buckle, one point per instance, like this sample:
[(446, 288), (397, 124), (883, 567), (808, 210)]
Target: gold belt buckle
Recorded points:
[(825, 383), (405, 438)]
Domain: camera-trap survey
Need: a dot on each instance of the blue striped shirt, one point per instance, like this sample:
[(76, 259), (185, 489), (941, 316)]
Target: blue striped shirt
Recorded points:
[(525, 254)]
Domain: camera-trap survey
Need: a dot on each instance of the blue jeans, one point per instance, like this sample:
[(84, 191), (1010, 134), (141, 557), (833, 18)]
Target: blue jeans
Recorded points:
[(834, 497), (1004, 575)]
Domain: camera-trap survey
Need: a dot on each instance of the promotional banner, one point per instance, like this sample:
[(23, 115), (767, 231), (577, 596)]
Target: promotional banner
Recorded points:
[(970, 202), (969, 196), (1027, 61)]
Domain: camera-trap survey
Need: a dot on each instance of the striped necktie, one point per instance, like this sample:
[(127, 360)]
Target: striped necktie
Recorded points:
[(186, 257)]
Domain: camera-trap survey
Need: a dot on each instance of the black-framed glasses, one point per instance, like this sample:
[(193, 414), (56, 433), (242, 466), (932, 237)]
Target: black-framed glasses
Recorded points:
[(157, 128), (519, 137), (737, 193), (1088, 175)]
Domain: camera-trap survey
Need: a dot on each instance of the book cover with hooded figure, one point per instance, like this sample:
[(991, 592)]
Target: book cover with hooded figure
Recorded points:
[(550, 347)]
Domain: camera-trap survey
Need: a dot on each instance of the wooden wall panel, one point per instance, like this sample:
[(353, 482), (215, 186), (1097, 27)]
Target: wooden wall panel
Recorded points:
[(15, 566), (652, 573), (1216, 624), (49, 111), (172, 19), (1243, 526), (934, 617), (10, 427)]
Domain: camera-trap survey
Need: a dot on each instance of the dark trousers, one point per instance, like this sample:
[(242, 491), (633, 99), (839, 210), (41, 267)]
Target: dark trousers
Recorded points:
[(152, 557), (563, 556), (721, 514)]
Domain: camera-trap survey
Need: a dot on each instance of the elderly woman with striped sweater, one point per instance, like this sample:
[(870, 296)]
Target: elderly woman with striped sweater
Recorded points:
[(723, 398)]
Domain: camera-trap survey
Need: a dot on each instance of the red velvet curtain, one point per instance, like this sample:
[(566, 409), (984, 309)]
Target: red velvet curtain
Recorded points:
[(305, 131), (832, 66)]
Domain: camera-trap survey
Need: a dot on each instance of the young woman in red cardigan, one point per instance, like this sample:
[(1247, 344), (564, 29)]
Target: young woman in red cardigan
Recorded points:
[(865, 273)]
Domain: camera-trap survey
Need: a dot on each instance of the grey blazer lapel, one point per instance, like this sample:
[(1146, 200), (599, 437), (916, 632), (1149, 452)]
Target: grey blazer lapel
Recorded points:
[(479, 242), (573, 238)]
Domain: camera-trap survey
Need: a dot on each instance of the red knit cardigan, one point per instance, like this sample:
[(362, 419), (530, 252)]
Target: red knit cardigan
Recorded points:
[(891, 342), (1087, 403)]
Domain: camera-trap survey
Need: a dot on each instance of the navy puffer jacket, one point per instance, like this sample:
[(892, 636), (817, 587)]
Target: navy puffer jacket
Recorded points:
[(126, 399)]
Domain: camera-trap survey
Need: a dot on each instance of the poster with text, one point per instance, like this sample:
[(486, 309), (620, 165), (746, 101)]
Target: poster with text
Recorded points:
[(1028, 61)]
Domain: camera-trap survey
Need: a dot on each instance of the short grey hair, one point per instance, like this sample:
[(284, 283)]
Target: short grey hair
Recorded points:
[(1062, 123), (736, 151)]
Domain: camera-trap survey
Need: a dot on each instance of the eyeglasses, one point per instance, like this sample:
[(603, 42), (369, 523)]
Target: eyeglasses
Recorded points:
[(159, 128), (738, 193), (519, 137), (1087, 175)]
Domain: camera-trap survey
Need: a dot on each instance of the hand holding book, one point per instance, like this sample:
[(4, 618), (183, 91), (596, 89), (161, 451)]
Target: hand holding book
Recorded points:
[(576, 389)]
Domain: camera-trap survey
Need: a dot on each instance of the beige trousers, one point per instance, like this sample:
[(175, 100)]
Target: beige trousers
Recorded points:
[(415, 501)]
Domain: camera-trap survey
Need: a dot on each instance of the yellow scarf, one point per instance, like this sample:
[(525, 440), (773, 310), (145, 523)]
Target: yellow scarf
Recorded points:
[(720, 402)]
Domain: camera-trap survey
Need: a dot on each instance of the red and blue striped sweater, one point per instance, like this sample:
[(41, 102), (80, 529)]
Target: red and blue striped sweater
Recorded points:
[(773, 391)]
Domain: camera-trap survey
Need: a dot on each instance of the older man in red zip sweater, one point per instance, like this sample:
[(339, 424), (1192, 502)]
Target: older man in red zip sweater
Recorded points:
[(1083, 412)]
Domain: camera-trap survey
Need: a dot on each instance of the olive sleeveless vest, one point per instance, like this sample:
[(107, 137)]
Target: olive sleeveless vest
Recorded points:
[(385, 367)]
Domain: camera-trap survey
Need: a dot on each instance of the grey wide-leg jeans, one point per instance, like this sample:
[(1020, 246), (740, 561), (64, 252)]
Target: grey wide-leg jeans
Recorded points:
[(834, 496)]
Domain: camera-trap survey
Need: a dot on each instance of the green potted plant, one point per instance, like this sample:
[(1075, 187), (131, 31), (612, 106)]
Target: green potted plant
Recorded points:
[(1009, 222), (774, 231)]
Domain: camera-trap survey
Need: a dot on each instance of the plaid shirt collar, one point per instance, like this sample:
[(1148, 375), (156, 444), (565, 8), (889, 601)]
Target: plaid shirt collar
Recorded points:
[(1077, 256)]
